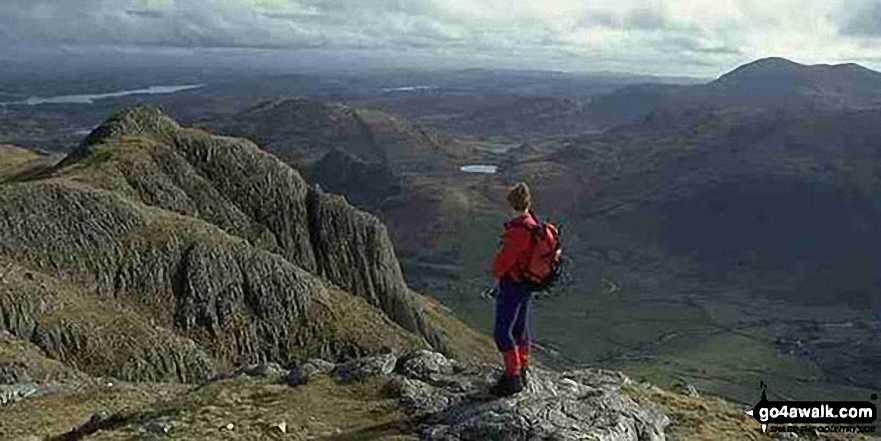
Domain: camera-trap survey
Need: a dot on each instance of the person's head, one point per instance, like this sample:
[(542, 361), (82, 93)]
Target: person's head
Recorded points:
[(519, 198)]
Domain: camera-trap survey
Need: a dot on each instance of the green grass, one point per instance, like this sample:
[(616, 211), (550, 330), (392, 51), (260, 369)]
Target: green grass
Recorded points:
[(17, 164), (727, 365), (12, 159), (52, 415), (321, 408)]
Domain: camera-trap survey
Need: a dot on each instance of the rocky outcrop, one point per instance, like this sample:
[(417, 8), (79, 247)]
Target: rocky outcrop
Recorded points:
[(445, 400), (267, 202), (100, 337), (227, 182), (184, 253), (405, 394), (22, 362), (427, 366), (188, 274), (587, 404)]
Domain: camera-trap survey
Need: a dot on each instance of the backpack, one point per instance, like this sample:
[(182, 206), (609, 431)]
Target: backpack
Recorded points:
[(542, 266)]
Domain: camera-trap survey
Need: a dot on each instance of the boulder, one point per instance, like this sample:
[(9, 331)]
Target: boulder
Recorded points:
[(302, 373), (265, 370), (158, 428), (366, 367), (424, 365), (10, 394), (417, 396)]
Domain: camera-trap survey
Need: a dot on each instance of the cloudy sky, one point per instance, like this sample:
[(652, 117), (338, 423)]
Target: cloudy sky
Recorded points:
[(679, 37)]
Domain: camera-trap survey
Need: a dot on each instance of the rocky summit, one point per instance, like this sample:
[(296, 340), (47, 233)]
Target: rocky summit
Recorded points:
[(154, 252)]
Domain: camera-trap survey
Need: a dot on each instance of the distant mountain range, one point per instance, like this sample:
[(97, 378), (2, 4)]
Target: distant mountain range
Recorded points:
[(530, 111), (770, 84)]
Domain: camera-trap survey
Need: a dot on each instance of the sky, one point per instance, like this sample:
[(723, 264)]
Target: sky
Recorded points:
[(665, 37)]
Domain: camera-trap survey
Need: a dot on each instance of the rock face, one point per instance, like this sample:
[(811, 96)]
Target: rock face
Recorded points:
[(354, 251), (170, 253), (585, 404)]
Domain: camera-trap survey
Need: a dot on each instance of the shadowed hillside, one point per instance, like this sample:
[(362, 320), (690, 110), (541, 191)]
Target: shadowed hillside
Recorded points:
[(302, 131)]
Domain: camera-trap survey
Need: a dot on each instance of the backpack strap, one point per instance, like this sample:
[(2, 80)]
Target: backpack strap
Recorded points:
[(534, 217), (521, 222)]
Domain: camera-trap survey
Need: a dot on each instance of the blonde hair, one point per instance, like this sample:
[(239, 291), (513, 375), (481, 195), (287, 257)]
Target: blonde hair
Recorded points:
[(519, 197)]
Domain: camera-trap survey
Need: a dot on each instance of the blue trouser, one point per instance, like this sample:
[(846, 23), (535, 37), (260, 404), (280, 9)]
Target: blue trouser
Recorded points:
[(512, 316)]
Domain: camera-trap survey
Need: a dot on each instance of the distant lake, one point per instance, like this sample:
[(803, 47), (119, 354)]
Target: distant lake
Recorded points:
[(477, 168), (91, 98), (408, 89)]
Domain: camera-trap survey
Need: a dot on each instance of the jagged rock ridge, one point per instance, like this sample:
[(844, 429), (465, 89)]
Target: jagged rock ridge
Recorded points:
[(223, 246)]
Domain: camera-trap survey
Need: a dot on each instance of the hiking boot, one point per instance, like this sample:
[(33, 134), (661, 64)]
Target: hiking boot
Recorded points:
[(507, 386), (524, 376)]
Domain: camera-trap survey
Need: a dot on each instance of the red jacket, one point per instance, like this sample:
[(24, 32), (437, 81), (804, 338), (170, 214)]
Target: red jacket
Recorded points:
[(515, 246)]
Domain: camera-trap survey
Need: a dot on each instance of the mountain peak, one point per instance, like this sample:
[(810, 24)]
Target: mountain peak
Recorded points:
[(764, 67), (781, 67), (141, 120), (773, 62), (133, 121)]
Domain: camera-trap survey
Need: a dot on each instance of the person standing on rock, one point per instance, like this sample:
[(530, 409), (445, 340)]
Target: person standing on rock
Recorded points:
[(514, 268)]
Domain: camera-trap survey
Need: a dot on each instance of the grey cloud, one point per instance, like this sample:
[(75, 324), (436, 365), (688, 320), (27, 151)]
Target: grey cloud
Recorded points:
[(598, 18), (719, 50), (226, 23), (644, 18), (293, 16), (639, 36), (694, 44), (145, 13), (862, 19), (188, 24), (641, 18)]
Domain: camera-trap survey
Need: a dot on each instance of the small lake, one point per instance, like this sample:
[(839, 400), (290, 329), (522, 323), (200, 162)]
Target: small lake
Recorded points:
[(480, 168), (91, 98)]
